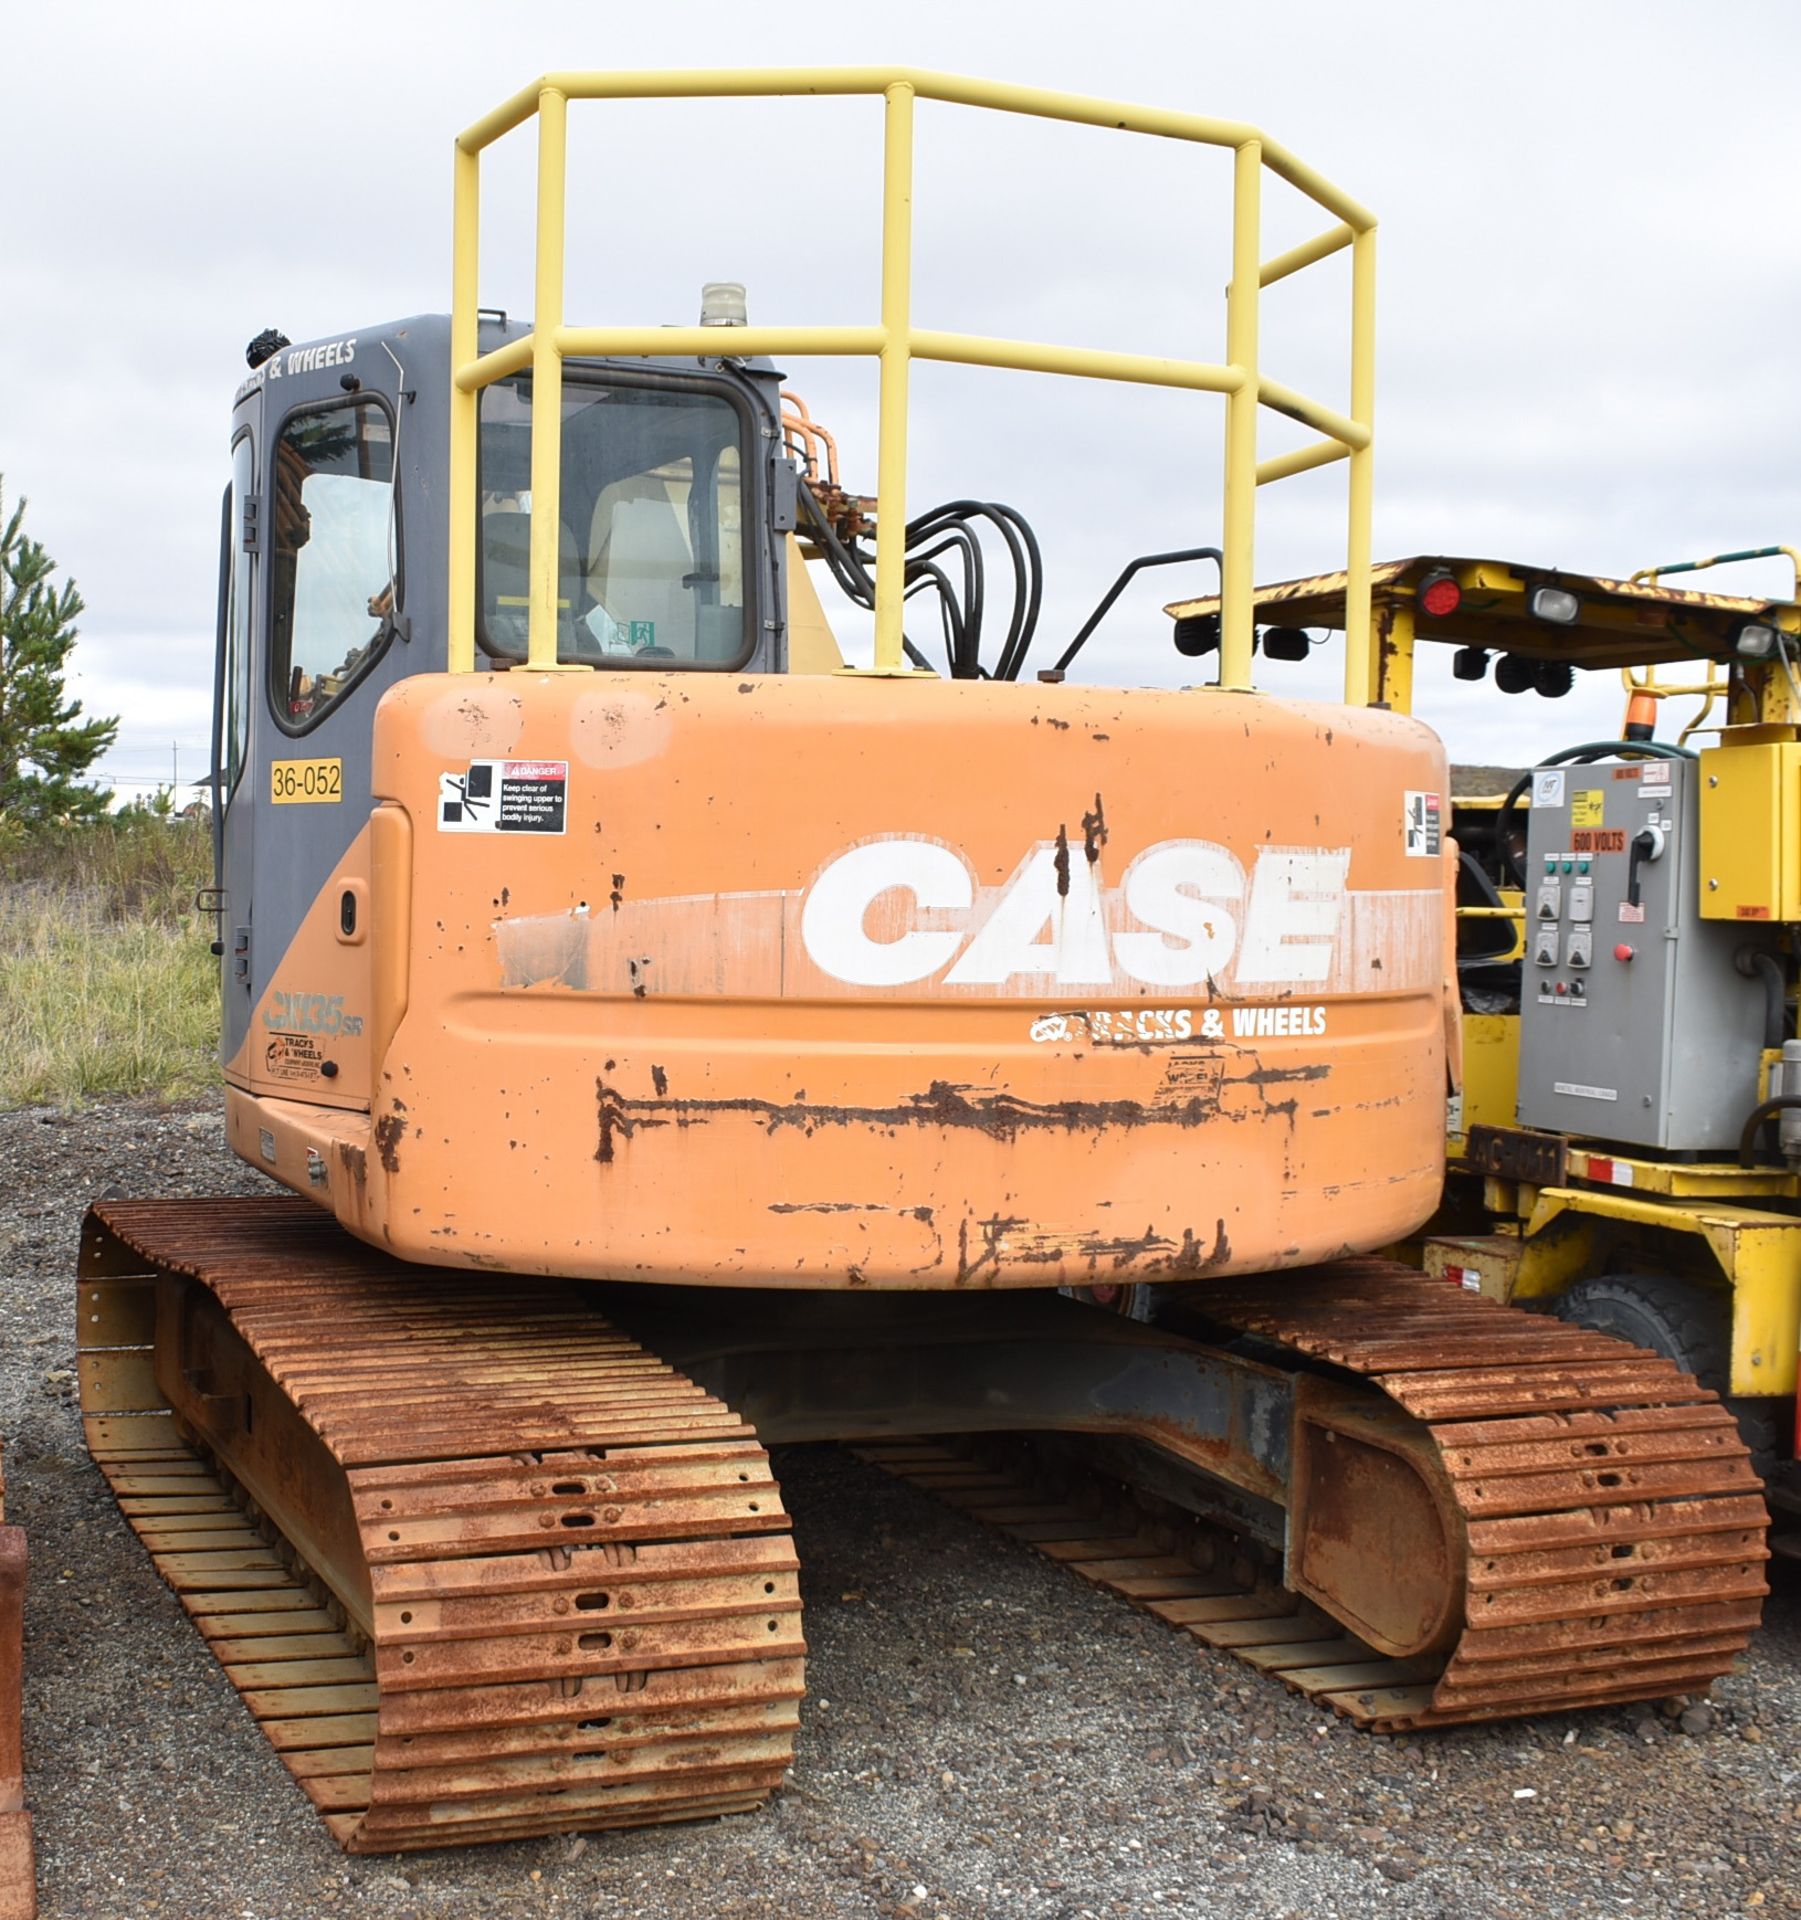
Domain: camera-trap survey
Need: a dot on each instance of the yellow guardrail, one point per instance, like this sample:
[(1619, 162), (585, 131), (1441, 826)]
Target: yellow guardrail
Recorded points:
[(895, 342), (1725, 560), (1644, 681)]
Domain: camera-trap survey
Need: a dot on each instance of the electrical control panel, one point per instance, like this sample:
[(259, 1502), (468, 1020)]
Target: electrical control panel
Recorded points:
[(1636, 1025)]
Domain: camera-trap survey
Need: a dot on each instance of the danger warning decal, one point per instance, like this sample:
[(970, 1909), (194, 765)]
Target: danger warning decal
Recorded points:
[(1421, 825), (505, 796)]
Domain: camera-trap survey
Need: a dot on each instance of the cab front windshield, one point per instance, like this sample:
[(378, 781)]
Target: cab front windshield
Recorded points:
[(650, 559)]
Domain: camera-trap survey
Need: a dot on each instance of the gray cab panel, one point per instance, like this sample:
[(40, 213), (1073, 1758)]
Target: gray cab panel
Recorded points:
[(334, 574)]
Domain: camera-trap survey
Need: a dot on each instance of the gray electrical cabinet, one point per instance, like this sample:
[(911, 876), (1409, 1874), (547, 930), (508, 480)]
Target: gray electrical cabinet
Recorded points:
[(1636, 1026)]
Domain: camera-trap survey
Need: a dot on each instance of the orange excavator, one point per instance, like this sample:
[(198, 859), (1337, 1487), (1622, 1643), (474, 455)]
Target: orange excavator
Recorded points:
[(675, 1042)]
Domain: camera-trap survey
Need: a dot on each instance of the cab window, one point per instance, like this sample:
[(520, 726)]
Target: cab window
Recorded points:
[(334, 547), (650, 535)]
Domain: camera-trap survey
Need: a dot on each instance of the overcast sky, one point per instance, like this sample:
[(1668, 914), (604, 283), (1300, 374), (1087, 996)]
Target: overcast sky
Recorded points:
[(1588, 276)]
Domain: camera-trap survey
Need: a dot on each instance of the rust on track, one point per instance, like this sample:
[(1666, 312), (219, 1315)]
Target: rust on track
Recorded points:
[(570, 1599), (1615, 1530)]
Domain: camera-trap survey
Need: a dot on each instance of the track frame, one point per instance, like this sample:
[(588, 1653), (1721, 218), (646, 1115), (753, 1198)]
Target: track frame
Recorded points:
[(506, 1556), (480, 1566)]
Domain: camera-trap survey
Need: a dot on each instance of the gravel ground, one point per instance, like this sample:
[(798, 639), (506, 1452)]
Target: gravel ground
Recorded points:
[(984, 1734)]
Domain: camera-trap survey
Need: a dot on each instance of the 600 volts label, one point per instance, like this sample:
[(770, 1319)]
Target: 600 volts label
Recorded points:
[(297, 782)]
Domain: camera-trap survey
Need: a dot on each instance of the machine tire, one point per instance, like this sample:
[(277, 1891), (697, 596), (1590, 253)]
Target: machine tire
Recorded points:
[(1686, 1324)]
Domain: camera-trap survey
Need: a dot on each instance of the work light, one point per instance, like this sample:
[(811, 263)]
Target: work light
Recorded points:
[(1554, 678), (1469, 663), (1196, 634), (1286, 643), (1556, 604)]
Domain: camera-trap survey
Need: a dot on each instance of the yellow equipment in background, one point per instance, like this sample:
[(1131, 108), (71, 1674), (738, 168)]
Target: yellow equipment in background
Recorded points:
[(1694, 1249)]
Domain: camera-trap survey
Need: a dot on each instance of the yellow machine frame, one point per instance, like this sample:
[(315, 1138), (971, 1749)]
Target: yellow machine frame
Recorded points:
[(896, 342), (1713, 1222)]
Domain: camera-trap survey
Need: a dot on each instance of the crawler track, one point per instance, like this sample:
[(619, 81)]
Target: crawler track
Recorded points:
[(568, 1597), (1615, 1528)]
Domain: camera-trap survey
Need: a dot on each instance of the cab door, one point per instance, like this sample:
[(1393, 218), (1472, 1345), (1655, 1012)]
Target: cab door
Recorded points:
[(334, 636), (233, 727)]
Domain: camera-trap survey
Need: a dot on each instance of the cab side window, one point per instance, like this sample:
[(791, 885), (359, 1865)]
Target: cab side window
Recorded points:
[(335, 556)]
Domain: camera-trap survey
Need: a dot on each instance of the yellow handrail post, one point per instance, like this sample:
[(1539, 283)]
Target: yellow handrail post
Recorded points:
[(896, 362), (1391, 657), (896, 344), (464, 409), (547, 383), (1238, 572), (1360, 664)]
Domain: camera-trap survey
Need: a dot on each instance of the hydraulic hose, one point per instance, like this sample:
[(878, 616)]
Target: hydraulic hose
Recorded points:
[(950, 530), (1750, 962), (1764, 1110), (850, 573), (1592, 750), (1028, 578)]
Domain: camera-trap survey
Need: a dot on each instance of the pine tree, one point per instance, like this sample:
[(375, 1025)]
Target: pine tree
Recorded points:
[(45, 746)]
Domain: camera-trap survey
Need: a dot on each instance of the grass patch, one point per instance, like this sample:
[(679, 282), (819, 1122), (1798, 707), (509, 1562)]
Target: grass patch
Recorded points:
[(106, 976)]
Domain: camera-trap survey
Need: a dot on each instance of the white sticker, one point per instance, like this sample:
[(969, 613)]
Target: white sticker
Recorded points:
[(1547, 787), (1454, 1113), (1584, 1093), (1632, 915), (1422, 825), (505, 796), (1654, 773)]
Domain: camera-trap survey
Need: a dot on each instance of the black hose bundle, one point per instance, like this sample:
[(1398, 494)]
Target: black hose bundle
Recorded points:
[(941, 543)]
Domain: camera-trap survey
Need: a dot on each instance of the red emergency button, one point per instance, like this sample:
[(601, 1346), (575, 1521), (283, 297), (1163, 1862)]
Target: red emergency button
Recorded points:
[(1622, 951), (1561, 988)]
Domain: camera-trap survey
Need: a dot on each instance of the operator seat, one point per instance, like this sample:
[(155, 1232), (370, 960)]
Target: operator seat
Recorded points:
[(505, 581)]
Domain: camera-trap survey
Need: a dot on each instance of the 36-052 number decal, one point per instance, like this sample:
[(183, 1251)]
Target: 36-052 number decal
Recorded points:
[(300, 782)]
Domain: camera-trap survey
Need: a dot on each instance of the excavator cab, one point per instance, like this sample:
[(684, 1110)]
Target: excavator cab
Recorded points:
[(333, 563)]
